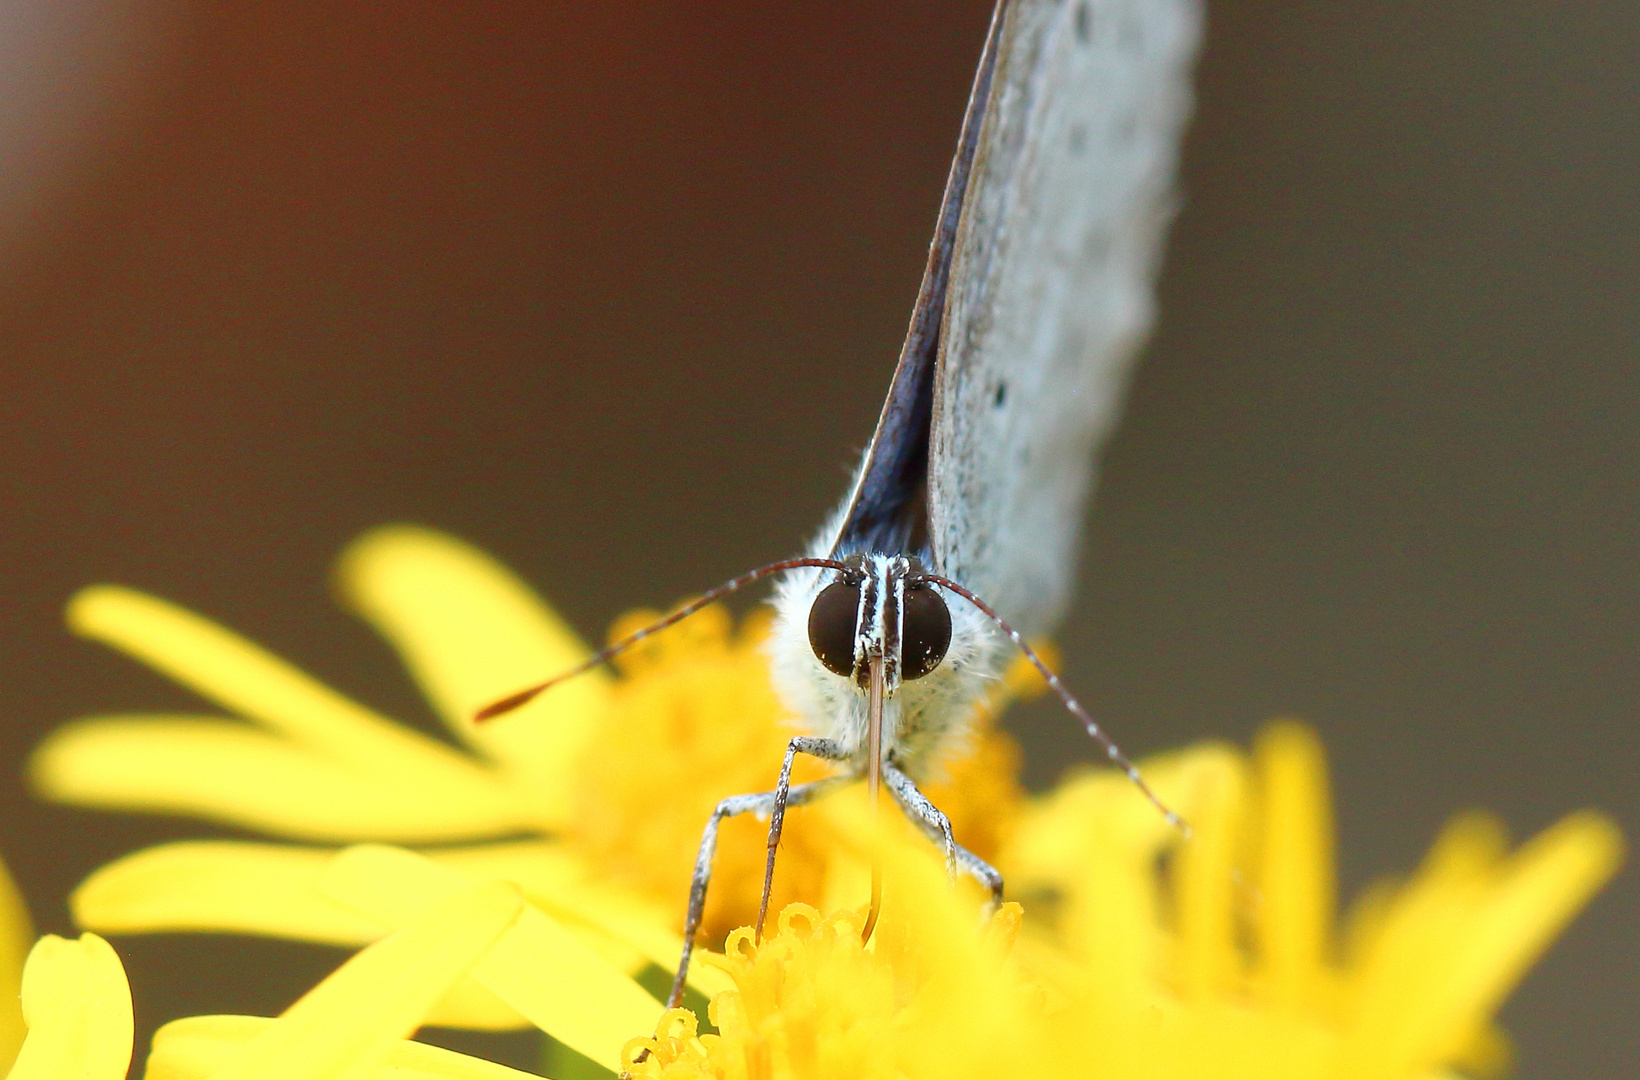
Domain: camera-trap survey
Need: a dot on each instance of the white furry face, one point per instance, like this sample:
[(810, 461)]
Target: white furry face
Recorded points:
[(922, 716)]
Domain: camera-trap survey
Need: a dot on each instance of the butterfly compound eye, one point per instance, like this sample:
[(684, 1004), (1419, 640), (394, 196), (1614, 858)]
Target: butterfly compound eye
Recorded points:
[(832, 622), (925, 631)]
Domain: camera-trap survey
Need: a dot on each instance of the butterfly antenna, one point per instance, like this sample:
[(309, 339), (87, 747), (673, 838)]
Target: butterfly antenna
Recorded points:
[(609, 652), (1112, 752)]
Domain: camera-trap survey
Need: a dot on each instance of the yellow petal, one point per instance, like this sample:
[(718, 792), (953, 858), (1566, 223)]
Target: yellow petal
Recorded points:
[(1296, 907), (1208, 962), (232, 887), (540, 967), (16, 937), (223, 886), (220, 886), (271, 890), (471, 632), (345, 1028), (78, 1007), (1456, 939), (197, 1047), (1094, 842), (232, 773), (470, 1006), (965, 984), (251, 682), (1546, 882), (562, 884)]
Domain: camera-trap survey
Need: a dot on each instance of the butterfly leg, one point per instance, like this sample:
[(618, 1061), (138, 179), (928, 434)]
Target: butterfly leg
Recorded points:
[(760, 803), (826, 750), (937, 827)]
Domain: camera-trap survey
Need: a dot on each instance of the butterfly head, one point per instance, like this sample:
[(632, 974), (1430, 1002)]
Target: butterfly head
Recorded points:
[(879, 607), (834, 626)]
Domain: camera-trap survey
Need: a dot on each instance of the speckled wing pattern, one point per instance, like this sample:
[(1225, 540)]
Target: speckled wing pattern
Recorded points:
[(1050, 292)]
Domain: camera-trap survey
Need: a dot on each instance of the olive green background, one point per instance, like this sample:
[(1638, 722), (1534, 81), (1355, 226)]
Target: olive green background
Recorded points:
[(614, 291)]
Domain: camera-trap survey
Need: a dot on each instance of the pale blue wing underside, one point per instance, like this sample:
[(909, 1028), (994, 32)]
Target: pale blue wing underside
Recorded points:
[(1051, 287)]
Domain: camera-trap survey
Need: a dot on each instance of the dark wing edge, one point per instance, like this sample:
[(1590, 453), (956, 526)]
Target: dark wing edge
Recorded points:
[(886, 509)]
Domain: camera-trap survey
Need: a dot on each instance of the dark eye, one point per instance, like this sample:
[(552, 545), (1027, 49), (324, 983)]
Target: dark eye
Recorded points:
[(832, 622), (925, 631)]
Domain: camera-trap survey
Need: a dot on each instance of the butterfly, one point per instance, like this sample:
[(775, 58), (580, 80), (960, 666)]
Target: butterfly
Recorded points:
[(958, 535)]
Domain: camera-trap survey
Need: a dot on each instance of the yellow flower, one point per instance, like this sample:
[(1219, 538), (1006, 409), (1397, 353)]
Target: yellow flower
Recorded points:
[(559, 798), (1157, 959), (1134, 954)]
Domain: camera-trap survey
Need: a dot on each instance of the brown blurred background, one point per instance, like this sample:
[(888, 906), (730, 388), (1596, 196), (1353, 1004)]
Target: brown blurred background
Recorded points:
[(614, 290)]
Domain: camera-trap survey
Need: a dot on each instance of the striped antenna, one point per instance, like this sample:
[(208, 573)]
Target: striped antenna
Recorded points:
[(1112, 751), (609, 652)]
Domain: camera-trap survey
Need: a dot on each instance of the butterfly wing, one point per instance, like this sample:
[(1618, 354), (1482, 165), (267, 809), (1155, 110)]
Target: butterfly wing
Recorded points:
[(1050, 285)]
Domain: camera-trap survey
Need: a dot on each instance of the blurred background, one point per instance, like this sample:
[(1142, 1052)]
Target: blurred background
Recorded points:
[(614, 290)]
